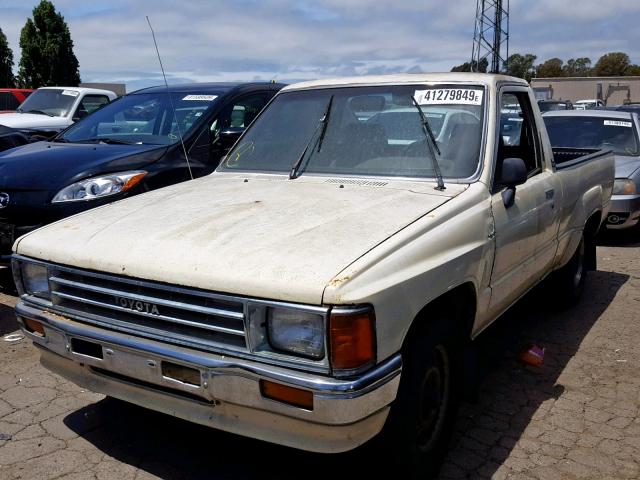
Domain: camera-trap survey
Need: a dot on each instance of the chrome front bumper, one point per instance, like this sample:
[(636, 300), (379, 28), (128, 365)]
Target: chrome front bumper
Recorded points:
[(624, 211), (346, 413)]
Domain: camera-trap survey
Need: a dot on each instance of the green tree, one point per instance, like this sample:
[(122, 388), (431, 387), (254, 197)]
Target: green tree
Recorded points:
[(633, 70), (614, 64), (578, 67), (47, 50), (6, 62), (471, 66), (521, 66), (550, 68)]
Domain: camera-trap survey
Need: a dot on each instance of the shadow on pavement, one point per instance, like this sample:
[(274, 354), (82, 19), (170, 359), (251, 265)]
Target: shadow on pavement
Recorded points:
[(509, 396), (620, 238)]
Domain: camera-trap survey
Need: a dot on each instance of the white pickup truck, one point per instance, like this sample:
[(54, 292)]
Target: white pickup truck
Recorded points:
[(48, 110), (321, 286)]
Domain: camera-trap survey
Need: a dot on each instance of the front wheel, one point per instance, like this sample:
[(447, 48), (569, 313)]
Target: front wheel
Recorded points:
[(420, 423)]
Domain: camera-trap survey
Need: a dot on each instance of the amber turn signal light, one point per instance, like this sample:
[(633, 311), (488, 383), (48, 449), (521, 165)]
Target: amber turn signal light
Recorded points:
[(352, 339), (283, 393), (34, 327)]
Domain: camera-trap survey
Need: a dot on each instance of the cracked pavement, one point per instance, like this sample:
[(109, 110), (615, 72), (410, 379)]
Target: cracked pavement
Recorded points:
[(576, 417)]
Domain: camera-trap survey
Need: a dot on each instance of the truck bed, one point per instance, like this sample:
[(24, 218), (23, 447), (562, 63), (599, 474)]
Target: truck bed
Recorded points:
[(566, 157)]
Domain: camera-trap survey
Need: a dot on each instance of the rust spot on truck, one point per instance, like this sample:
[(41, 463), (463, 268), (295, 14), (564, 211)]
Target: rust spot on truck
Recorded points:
[(336, 282)]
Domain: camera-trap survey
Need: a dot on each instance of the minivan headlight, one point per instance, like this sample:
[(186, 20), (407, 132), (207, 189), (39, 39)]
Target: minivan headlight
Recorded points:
[(35, 279), (624, 186), (98, 187), (297, 332)]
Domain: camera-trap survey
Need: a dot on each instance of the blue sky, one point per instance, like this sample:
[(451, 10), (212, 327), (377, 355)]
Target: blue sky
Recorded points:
[(224, 40)]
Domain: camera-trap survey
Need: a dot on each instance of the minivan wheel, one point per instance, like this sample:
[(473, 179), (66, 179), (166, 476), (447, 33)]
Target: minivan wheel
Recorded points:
[(420, 423)]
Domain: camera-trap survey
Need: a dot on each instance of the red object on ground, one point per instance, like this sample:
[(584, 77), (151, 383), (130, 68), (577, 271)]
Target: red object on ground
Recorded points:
[(533, 356), (11, 98)]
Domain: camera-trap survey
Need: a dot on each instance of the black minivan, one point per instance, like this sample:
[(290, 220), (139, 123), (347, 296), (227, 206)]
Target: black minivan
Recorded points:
[(129, 146)]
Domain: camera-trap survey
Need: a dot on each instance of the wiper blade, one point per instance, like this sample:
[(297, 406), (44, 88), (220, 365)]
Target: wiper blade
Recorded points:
[(113, 141), (433, 145), (293, 174), (39, 112)]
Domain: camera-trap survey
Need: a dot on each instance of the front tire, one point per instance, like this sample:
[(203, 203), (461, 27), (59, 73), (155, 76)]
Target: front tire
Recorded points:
[(420, 423)]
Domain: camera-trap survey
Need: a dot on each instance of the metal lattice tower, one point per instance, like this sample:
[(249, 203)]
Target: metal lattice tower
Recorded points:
[(491, 37)]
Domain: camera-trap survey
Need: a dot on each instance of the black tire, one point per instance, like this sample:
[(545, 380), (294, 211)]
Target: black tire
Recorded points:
[(569, 281), (420, 423)]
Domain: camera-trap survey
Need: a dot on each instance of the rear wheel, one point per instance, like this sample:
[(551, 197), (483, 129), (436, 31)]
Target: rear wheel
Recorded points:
[(569, 281), (419, 427)]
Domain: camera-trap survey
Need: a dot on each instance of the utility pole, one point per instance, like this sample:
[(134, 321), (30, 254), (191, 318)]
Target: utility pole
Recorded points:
[(491, 35)]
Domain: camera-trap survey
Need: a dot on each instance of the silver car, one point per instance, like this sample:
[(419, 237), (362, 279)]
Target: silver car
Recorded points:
[(615, 130)]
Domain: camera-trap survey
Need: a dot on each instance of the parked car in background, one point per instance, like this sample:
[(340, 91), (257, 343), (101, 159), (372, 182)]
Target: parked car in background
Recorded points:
[(48, 110), (131, 145), (588, 104), (324, 284), (628, 107), (550, 105), (11, 98), (618, 131)]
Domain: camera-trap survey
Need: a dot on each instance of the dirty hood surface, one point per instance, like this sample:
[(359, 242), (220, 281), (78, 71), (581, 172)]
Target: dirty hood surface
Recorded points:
[(263, 237)]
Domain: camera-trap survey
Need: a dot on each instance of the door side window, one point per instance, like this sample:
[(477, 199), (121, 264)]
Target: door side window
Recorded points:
[(518, 135), (241, 112), (89, 104)]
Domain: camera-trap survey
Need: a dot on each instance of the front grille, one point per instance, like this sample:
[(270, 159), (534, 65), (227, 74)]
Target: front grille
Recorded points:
[(171, 314)]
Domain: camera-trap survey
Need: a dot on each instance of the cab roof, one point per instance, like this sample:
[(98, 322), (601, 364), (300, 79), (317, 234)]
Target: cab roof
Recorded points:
[(590, 113), (407, 78)]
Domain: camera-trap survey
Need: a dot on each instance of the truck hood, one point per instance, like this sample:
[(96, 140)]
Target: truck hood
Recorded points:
[(52, 166), (626, 166), (260, 236), (33, 121)]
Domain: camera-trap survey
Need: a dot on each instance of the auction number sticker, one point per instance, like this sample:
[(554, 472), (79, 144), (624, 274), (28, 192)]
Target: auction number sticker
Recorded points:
[(70, 93), (618, 123), (449, 96), (201, 98)]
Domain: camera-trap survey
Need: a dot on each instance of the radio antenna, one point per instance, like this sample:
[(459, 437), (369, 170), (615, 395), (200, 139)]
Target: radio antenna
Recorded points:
[(173, 108)]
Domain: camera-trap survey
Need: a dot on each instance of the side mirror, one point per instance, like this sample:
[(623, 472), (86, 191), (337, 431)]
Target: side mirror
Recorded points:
[(514, 172), (229, 136)]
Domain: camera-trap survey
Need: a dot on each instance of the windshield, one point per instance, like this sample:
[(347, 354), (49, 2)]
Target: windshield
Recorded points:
[(370, 131), (143, 118), (593, 132), (52, 102)]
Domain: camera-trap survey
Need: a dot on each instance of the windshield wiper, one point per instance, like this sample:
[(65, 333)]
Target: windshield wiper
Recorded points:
[(113, 141), (38, 112), (433, 145), (322, 124)]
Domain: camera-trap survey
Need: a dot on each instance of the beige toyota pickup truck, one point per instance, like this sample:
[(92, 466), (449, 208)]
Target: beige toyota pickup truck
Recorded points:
[(321, 287)]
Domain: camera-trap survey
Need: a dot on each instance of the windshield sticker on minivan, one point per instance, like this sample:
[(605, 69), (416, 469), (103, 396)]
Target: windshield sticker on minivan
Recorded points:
[(449, 96), (618, 123), (201, 98), (70, 93)]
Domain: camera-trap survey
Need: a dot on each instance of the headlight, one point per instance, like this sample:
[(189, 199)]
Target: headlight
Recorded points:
[(35, 279), (624, 186), (98, 187), (297, 332)]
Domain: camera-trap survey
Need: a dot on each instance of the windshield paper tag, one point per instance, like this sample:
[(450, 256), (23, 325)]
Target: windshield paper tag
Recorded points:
[(201, 98), (70, 93), (618, 123), (449, 96)]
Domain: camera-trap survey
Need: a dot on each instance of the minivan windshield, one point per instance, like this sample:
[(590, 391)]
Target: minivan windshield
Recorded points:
[(142, 118), (593, 132), (369, 131), (49, 101)]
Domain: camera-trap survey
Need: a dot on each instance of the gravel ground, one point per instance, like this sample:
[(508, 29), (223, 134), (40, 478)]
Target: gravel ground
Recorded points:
[(576, 417)]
